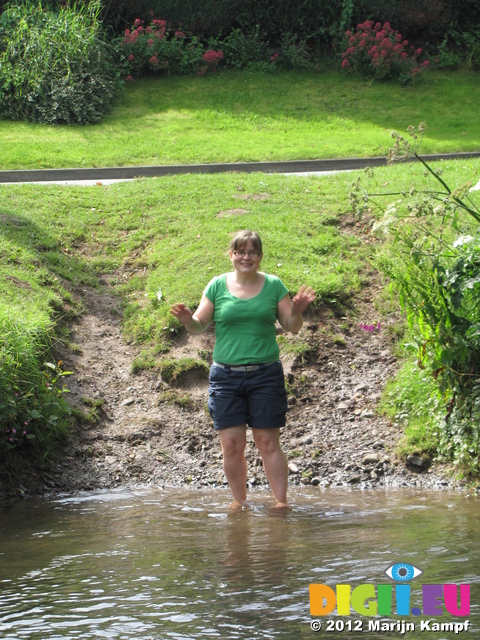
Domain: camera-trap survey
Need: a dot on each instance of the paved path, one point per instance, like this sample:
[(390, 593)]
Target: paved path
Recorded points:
[(113, 174)]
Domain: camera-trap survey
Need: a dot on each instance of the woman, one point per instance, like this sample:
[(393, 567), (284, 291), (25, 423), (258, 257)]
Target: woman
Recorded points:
[(247, 385)]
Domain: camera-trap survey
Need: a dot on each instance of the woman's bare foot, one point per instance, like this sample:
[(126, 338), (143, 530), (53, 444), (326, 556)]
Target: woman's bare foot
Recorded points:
[(236, 505), (282, 505)]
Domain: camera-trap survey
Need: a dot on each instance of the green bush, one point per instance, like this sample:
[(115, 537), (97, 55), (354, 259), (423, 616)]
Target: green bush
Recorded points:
[(435, 269), (55, 67), (32, 407)]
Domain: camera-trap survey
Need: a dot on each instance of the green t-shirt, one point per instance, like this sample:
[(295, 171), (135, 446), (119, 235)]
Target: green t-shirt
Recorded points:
[(245, 329)]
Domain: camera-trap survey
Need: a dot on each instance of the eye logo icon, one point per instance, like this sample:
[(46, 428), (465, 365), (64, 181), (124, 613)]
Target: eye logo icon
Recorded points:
[(370, 600), (403, 572)]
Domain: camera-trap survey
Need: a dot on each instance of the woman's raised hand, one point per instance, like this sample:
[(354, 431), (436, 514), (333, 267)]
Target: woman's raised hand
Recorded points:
[(181, 312), (304, 297)]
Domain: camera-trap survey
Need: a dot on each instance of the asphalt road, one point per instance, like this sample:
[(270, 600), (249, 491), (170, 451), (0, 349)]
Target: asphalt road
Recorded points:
[(114, 174)]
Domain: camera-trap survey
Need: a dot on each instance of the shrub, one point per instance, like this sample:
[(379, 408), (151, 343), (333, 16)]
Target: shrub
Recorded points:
[(55, 67), (381, 53), (435, 268), (157, 49), (32, 407), (243, 50)]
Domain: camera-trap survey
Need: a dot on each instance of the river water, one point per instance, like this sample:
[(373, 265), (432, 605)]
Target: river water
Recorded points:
[(176, 563)]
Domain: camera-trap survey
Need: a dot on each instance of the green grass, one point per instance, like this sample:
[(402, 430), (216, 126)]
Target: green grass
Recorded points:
[(246, 116), (411, 400), (170, 235)]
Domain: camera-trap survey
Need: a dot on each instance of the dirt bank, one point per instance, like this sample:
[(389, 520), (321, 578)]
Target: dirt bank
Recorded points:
[(151, 432)]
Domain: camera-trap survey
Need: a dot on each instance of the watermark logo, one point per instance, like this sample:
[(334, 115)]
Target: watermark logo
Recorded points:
[(391, 599)]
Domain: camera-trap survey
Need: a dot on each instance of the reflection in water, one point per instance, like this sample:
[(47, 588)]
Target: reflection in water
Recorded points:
[(178, 564)]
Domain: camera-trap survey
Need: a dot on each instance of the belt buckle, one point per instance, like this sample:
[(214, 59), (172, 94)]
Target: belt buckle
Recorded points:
[(251, 367)]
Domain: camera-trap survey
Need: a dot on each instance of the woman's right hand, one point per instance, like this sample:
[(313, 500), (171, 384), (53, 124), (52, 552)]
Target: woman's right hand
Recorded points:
[(194, 322), (182, 313)]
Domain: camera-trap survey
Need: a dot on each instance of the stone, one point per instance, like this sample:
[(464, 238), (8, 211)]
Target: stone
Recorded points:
[(292, 467), (370, 458), (367, 413), (417, 460)]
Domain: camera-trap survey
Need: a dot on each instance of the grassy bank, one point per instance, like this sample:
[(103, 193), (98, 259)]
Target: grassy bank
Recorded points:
[(161, 240), (245, 116)]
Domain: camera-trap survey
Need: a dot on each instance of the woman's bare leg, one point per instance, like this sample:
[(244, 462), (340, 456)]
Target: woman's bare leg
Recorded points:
[(234, 441), (274, 462)]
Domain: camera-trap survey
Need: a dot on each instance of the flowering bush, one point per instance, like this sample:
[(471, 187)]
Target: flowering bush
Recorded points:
[(380, 52), (156, 48)]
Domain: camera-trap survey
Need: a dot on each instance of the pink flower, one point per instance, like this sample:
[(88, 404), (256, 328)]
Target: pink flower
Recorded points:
[(153, 60), (274, 57), (345, 63), (149, 30), (131, 57), (129, 79), (180, 34), (213, 57), (150, 42)]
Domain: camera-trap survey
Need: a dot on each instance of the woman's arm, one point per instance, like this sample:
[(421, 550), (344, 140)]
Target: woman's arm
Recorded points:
[(289, 312), (198, 321)]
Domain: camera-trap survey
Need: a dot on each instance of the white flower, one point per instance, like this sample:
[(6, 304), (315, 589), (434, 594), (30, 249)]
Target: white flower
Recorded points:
[(462, 240)]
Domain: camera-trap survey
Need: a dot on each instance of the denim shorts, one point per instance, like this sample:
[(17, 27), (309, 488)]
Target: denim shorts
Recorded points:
[(257, 398)]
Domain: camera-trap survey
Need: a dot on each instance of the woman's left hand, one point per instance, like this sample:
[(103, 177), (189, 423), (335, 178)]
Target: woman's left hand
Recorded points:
[(304, 297)]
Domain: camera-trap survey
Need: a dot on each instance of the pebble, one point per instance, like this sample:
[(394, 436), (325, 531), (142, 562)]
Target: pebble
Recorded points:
[(367, 413)]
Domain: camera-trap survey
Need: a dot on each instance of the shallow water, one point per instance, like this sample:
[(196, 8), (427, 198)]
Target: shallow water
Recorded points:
[(176, 563)]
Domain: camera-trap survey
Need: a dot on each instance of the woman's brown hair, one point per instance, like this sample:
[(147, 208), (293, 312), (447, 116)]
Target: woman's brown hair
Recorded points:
[(241, 238)]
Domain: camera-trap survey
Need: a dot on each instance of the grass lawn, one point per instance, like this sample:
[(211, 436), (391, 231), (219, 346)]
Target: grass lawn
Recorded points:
[(246, 116)]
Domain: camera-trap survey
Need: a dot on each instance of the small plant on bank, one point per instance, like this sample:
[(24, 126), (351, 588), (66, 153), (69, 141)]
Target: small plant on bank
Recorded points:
[(173, 371), (379, 52), (32, 408)]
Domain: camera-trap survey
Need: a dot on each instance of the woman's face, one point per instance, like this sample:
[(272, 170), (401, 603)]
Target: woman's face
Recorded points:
[(249, 262)]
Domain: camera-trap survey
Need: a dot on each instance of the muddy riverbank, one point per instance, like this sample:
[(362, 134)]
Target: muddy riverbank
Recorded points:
[(148, 431)]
